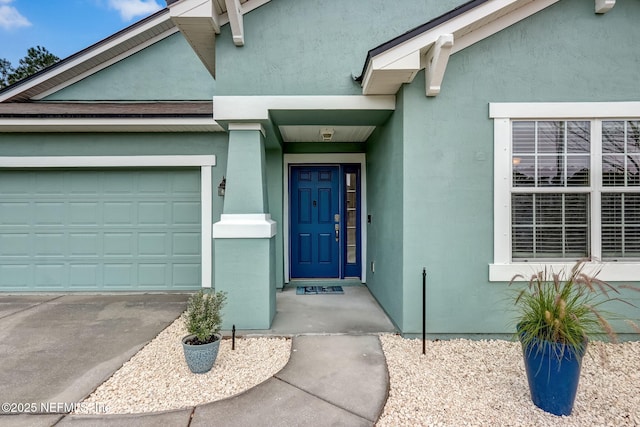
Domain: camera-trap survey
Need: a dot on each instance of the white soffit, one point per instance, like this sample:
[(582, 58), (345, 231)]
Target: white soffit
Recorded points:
[(313, 133), (388, 70)]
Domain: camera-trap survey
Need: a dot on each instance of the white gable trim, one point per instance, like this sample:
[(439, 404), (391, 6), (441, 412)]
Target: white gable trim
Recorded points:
[(467, 28), (94, 54), (97, 57), (103, 65)]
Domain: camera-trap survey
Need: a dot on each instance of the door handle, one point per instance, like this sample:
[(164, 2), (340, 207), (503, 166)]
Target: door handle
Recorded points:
[(337, 228)]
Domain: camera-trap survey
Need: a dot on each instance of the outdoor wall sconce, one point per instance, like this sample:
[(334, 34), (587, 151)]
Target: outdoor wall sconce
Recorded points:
[(222, 186)]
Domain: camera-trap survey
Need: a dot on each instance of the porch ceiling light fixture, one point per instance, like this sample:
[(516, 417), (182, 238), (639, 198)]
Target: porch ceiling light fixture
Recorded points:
[(222, 186), (327, 134)]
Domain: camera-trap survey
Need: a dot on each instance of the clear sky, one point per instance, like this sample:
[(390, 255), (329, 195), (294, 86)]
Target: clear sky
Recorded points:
[(65, 26)]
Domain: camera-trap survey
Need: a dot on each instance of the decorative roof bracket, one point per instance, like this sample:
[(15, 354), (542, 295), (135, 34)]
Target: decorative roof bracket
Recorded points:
[(199, 23), (604, 6), (436, 62), (234, 12)]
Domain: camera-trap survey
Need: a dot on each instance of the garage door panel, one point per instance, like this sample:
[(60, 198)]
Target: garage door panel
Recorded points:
[(49, 213), (15, 213), (186, 244), (119, 275), (53, 183), (186, 276), (84, 213), (184, 213), (16, 184), (117, 213), (118, 244), (85, 245), (153, 213), (153, 244), (15, 245), (15, 276), (152, 275), (119, 184), (153, 183), (50, 245), (99, 230), (51, 276), (84, 275), (85, 183), (187, 185)]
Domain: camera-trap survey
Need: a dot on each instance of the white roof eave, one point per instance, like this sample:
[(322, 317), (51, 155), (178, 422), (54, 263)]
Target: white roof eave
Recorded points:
[(384, 76)]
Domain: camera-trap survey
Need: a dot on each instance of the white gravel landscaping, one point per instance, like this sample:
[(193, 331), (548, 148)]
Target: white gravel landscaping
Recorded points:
[(483, 383), (157, 377), (458, 382)]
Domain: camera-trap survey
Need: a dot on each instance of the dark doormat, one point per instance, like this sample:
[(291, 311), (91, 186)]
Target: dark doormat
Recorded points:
[(317, 290)]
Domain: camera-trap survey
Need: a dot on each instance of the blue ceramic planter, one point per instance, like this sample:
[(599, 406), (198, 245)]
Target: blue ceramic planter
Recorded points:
[(200, 358), (553, 380)]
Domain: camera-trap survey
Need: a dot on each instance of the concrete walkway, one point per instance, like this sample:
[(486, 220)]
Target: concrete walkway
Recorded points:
[(330, 380), (58, 348)]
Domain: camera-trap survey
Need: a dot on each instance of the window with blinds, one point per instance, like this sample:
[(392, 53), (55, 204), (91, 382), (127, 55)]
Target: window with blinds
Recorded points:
[(553, 190), (620, 195), (550, 189)]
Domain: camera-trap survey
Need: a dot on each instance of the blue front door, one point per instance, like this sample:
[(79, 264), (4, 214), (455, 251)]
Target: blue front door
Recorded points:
[(315, 222)]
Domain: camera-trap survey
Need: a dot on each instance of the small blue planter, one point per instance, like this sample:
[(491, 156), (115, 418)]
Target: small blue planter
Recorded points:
[(200, 358), (553, 380)]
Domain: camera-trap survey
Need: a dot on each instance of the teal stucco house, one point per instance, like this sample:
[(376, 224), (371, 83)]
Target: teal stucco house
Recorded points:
[(245, 144)]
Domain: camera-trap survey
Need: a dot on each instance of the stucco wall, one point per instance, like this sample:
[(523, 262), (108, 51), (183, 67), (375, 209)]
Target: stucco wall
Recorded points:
[(275, 197), (166, 70), (564, 53), (313, 47), (385, 234)]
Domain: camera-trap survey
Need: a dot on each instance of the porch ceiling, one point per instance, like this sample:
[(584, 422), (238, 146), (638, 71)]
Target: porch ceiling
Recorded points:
[(328, 133), (302, 118), (343, 125)]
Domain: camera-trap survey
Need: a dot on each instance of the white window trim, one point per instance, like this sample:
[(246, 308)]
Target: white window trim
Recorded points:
[(329, 158), (205, 162), (502, 269)]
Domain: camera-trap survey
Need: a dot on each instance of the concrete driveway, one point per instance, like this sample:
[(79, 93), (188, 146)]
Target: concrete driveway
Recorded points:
[(56, 349)]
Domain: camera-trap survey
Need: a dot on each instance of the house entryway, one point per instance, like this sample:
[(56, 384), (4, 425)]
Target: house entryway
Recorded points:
[(325, 221), (354, 312)]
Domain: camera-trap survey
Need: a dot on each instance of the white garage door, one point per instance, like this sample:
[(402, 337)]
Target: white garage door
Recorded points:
[(88, 230)]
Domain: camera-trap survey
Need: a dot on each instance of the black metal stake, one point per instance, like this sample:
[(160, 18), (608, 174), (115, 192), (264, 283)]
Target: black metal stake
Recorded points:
[(233, 337), (424, 308)]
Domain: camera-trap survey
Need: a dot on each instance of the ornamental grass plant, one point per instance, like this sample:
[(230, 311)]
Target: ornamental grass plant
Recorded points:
[(203, 317), (566, 308)]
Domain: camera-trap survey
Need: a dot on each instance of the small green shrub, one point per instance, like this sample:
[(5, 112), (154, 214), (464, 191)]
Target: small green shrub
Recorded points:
[(565, 310), (203, 318)]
